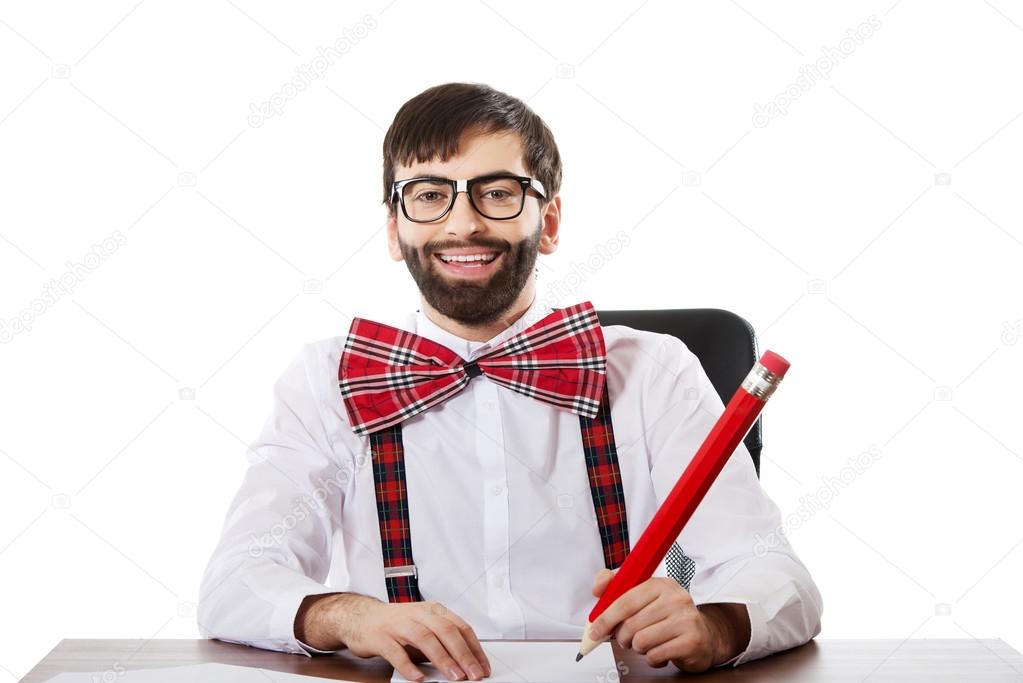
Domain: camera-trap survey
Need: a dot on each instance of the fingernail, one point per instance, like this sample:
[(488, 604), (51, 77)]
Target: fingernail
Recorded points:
[(477, 673), (454, 674)]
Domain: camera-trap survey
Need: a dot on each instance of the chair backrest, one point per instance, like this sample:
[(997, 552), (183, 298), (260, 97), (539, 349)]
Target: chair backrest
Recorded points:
[(724, 343)]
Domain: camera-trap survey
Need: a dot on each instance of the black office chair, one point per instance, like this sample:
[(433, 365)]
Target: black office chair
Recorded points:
[(726, 346)]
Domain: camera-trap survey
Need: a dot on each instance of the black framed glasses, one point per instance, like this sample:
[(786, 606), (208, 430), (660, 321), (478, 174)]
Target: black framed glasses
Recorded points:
[(499, 197)]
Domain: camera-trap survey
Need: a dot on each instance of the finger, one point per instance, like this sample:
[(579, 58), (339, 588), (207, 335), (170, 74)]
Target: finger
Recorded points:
[(437, 609), (453, 639), (647, 635), (473, 642), (419, 635), (600, 582), (671, 603), (653, 614), (685, 650), (395, 654), (623, 608)]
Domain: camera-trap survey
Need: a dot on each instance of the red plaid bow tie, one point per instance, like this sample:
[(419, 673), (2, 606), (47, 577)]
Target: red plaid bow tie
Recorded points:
[(387, 375)]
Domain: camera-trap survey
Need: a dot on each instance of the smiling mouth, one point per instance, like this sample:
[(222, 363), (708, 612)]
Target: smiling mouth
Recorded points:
[(477, 266)]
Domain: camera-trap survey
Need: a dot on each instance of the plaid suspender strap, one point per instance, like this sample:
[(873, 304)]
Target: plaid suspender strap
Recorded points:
[(605, 479), (392, 515), (606, 483)]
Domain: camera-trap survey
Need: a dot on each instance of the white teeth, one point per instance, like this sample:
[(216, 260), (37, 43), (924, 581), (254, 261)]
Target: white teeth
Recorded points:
[(469, 259)]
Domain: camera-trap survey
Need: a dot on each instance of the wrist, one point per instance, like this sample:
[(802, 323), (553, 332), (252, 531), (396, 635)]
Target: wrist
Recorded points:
[(730, 626), (328, 621)]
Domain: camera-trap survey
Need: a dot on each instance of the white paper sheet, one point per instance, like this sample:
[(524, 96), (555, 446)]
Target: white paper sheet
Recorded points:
[(532, 662), (199, 673)]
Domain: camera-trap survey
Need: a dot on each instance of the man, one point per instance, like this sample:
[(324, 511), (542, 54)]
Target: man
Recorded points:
[(492, 491)]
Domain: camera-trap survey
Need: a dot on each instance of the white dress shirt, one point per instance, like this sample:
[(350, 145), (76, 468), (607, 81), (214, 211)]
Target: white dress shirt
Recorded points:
[(502, 521)]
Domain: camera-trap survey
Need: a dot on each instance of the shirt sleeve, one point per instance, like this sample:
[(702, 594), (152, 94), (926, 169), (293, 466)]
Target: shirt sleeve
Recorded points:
[(735, 537), (278, 535)]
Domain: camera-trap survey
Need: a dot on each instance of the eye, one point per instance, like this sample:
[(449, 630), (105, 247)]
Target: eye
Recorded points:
[(498, 191)]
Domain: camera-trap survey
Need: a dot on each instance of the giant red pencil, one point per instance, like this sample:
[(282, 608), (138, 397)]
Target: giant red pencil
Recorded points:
[(667, 523)]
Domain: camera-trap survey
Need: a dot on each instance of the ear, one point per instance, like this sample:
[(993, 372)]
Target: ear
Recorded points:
[(393, 248), (551, 224)]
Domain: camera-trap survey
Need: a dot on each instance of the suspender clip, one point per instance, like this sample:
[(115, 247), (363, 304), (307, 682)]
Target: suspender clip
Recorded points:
[(401, 570)]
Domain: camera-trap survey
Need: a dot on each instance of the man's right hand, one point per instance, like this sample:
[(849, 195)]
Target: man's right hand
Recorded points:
[(398, 632)]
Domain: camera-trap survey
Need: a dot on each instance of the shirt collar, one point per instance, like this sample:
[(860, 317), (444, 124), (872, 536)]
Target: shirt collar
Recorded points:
[(467, 349)]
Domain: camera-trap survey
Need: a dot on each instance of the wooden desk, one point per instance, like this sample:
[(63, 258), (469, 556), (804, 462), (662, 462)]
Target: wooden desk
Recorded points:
[(819, 661)]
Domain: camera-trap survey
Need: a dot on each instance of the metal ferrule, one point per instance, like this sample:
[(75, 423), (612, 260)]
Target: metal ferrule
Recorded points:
[(761, 382)]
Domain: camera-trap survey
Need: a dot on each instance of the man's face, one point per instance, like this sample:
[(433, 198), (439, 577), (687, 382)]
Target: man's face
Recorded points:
[(480, 293)]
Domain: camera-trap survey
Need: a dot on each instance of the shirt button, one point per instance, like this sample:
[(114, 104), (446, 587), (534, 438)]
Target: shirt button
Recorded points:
[(497, 581), (489, 405), (496, 489)]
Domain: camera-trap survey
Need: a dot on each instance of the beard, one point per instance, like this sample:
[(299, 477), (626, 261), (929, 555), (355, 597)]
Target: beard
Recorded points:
[(470, 302)]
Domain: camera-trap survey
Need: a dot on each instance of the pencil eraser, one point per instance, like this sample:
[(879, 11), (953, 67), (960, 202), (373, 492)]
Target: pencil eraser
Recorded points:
[(774, 363)]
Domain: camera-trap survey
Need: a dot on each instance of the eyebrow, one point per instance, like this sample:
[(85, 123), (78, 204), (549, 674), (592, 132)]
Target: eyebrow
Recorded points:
[(500, 171)]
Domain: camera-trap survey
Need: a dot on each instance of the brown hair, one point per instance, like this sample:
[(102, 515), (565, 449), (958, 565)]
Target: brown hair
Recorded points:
[(431, 124)]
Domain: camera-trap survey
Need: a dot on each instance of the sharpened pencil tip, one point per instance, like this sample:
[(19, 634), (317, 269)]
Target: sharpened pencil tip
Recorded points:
[(579, 656)]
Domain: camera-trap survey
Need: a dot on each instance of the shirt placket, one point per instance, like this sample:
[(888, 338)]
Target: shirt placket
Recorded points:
[(502, 607)]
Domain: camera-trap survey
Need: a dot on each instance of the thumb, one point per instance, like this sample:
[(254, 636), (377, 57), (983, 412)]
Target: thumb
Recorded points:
[(601, 580)]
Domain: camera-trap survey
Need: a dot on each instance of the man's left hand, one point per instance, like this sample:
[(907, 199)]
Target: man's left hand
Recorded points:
[(658, 619)]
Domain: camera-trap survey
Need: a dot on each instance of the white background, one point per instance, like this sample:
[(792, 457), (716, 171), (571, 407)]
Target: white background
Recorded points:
[(872, 234)]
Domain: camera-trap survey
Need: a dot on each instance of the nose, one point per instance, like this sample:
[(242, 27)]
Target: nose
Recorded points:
[(463, 219)]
